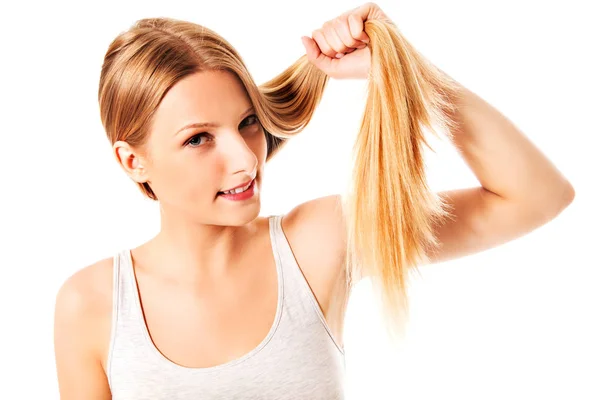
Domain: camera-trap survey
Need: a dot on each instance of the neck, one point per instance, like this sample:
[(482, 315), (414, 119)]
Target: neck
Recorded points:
[(185, 251)]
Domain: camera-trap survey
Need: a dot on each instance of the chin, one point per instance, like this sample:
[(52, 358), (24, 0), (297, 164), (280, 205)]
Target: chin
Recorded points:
[(242, 217)]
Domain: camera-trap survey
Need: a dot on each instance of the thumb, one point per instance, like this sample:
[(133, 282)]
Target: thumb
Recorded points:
[(312, 50)]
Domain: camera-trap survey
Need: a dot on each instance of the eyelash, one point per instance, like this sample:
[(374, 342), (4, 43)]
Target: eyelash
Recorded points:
[(205, 134)]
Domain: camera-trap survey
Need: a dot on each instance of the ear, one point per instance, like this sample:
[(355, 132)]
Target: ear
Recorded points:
[(131, 161)]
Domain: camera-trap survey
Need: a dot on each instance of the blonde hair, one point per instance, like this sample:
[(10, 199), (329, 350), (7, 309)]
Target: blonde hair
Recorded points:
[(389, 210)]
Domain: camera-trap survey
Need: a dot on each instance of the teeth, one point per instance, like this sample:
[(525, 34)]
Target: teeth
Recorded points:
[(238, 190)]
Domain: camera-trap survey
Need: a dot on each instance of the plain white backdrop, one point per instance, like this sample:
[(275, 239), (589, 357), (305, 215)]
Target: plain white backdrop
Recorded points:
[(520, 321)]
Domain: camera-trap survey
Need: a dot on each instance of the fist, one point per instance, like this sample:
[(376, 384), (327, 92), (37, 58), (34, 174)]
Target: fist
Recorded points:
[(340, 47)]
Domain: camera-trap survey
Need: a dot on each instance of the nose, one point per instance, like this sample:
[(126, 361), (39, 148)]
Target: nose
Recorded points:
[(239, 156)]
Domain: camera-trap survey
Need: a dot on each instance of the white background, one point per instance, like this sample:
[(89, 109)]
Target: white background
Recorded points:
[(520, 321)]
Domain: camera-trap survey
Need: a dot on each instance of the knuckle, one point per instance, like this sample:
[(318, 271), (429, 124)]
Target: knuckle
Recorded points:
[(373, 5)]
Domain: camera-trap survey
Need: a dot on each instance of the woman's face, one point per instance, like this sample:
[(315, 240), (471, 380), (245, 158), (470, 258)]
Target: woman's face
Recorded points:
[(189, 164)]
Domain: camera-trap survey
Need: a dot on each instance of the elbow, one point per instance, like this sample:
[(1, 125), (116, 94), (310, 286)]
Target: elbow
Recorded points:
[(568, 195), (551, 204), (564, 198)]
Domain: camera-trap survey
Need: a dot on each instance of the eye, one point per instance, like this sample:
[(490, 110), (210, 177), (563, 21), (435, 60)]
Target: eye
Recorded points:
[(253, 119), (195, 141)]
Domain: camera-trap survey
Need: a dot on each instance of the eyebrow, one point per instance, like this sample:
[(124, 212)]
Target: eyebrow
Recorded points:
[(207, 124)]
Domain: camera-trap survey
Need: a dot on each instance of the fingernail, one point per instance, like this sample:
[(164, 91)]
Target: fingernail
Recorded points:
[(339, 55)]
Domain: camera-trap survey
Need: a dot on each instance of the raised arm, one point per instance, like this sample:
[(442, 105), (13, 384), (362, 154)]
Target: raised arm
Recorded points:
[(520, 190)]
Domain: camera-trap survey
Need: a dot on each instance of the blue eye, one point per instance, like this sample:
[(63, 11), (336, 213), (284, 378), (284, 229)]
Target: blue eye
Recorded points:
[(194, 140)]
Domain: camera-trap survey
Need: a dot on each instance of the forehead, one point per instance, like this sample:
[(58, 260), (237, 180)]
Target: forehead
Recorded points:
[(208, 96)]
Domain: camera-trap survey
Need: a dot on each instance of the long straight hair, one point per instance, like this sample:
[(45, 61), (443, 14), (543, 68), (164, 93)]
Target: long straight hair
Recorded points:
[(389, 210)]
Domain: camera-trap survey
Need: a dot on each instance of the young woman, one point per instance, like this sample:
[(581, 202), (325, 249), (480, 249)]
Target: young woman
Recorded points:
[(222, 303)]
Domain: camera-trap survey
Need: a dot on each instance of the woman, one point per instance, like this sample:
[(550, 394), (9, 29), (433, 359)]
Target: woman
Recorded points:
[(222, 303)]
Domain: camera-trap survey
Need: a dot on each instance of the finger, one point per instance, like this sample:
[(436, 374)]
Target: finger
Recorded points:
[(342, 29), (334, 41), (323, 44), (356, 26), (314, 55), (364, 11), (312, 50)]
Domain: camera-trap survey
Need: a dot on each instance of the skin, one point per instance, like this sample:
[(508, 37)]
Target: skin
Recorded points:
[(211, 254), (210, 274)]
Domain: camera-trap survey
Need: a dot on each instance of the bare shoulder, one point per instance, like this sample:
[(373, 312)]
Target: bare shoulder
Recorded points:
[(316, 232), (318, 225), (82, 323), (87, 294)]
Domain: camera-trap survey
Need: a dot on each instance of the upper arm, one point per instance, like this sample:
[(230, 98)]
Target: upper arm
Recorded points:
[(482, 220), (79, 370)]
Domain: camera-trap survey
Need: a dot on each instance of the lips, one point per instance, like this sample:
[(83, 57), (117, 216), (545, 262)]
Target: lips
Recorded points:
[(242, 195), (242, 185)]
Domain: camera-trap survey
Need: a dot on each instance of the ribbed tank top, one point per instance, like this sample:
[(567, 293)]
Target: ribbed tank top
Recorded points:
[(298, 358)]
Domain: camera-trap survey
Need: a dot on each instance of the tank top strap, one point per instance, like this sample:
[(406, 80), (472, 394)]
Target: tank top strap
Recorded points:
[(284, 256), (124, 288), (127, 319), (299, 300)]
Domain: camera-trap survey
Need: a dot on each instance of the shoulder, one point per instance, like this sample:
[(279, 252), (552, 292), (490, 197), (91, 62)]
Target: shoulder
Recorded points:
[(82, 323), (88, 290), (83, 306), (318, 226)]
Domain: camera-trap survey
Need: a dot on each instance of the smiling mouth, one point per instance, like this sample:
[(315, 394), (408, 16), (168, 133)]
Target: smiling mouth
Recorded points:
[(243, 189), (242, 195), (239, 189)]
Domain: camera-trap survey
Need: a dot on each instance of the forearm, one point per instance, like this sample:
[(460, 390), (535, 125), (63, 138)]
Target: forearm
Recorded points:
[(503, 159)]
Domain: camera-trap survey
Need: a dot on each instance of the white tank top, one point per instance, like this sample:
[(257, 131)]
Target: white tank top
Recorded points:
[(298, 359)]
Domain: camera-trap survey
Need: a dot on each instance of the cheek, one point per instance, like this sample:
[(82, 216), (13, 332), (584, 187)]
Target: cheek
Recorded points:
[(199, 178), (188, 179)]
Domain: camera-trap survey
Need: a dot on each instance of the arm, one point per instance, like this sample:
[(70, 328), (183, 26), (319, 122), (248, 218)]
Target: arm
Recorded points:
[(520, 188), (80, 374), (504, 160)]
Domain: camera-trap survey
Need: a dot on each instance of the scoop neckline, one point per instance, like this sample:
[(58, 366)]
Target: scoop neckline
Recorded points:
[(171, 364)]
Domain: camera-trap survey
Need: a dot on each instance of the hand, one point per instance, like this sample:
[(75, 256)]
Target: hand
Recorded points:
[(339, 48)]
